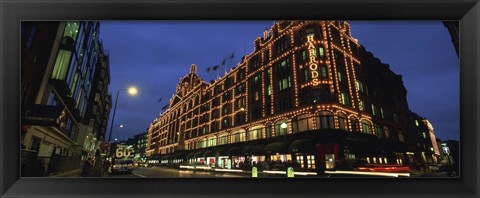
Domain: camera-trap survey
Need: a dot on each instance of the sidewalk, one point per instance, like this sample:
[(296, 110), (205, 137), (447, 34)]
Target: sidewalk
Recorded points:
[(73, 173)]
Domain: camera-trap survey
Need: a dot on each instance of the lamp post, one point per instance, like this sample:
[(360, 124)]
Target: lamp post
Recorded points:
[(284, 126), (132, 91)]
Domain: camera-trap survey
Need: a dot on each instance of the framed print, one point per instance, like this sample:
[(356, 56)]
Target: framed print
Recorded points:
[(205, 98)]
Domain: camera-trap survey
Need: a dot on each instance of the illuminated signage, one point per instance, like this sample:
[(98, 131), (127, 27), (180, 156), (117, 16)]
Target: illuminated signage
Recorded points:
[(313, 62)]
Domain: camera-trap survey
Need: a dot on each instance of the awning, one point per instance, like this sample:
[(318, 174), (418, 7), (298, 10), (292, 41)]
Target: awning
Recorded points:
[(277, 147), (190, 155), (302, 146), (221, 152), (252, 150), (164, 157), (209, 153), (180, 155), (198, 154), (235, 151)]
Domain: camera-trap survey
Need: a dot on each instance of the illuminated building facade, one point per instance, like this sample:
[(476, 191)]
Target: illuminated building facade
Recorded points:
[(427, 147), (309, 94), (60, 61)]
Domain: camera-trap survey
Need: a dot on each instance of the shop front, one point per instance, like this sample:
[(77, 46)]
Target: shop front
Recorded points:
[(277, 155), (304, 154)]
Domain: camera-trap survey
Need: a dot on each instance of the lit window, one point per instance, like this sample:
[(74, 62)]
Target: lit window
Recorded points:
[(61, 64), (256, 96), (324, 72), (321, 51), (362, 105), (339, 77), (416, 122), (381, 112), (343, 98), (373, 109), (304, 55), (269, 90), (284, 83)]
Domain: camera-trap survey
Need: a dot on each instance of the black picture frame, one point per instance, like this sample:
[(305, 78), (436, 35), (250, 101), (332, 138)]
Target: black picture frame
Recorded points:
[(13, 11)]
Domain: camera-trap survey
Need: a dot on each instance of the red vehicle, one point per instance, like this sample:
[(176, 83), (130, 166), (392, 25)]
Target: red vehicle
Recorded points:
[(391, 168)]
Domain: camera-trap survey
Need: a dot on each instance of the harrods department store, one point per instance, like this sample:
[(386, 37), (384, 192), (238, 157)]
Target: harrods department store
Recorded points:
[(308, 94)]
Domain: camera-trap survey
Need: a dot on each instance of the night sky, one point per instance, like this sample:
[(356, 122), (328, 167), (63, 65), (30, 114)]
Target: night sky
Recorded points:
[(154, 55)]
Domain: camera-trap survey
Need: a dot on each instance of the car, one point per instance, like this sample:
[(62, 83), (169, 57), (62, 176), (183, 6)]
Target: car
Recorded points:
[(122, 166)]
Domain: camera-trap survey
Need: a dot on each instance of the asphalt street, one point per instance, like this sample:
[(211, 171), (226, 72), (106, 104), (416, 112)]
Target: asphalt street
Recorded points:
[(172, 173)]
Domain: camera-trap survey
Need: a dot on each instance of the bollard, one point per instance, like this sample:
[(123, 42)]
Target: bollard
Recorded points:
[(290, 172), (254, 172)]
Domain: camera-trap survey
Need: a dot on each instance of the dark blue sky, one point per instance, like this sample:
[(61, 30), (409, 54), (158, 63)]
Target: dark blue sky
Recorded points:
[(154, 55)]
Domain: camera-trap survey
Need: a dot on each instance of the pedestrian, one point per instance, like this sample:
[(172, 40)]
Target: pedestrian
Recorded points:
[(87, 168)]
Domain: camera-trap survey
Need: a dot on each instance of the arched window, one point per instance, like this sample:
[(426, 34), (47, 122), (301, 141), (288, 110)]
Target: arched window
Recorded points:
[(354, 124), (386, 131), (342, 122), (238, 136), (325, 120), (400, 137), (281, 127), (222, 139), (366, 128), (378, 130), (302, 123), (212, 141), (269, 130), (255, 133)]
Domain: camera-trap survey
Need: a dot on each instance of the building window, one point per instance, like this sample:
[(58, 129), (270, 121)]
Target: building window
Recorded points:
[(325, 120), (344, 99), (416, 123), (222, 139), (282, 45), (255, 134), (366, 127), (52, 99), (400, 136), (381, 112), (339, 77), (304, 55), (284, 65), (354, 124), (310, 161), (257, 97), (284, 83), (278, 127), (373, 110), (342, 122), (321, 52), (359, 86), (269, 90), (324, 71), (61, 64), (255, 80), (302, 123), (378, 130), (362, 105), (395, 118), (306, 75)]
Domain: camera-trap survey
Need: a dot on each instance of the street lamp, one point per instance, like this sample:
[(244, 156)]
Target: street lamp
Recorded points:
[(132, 91), (284, 126)]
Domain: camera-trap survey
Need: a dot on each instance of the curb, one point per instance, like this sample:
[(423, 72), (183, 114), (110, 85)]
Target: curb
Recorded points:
[(74, 173)]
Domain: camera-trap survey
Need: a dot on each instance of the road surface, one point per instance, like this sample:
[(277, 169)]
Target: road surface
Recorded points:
[(157, 171)]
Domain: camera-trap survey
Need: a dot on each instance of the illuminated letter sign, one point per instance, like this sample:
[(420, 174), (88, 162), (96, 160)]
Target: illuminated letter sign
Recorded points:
[(313, 63)]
